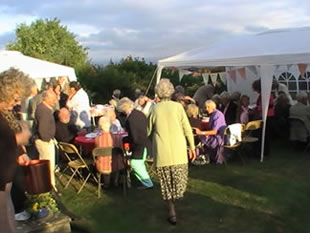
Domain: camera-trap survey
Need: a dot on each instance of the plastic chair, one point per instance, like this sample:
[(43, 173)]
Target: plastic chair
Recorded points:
[(235, 137), (76, 165)]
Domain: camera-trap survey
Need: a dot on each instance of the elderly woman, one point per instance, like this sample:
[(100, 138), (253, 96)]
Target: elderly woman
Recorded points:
[(170, 131), (192, 112), (13, 86), (136, 126), (108, 164), (213, 138)]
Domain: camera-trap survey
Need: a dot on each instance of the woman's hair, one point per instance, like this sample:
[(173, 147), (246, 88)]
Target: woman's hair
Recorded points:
[(243, 97), (192, 110), (210, 103), (256, 86), (125, 105), (164, 89), (75, 85), (104, 123), (14, 82)]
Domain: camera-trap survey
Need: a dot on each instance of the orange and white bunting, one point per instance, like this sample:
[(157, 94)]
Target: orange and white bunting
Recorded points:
[(302, 69)]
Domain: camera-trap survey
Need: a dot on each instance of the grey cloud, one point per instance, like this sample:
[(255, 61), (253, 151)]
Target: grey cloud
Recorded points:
[(159, 29), (6, 38)]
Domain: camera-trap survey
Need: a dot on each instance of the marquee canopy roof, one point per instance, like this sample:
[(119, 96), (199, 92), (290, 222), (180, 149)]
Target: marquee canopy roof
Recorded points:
[(34, 67)]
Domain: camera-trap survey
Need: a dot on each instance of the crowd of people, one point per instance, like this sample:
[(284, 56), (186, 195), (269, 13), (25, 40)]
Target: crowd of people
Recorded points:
[(166, 128)]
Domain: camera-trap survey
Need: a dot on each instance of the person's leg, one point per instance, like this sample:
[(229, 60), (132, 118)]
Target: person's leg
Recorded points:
[(47, 151), (171, 212), (18, 191), (140, 171), (7, 220)]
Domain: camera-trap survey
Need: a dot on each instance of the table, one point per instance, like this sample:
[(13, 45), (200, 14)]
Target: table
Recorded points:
[(88, 144), (204, 125)]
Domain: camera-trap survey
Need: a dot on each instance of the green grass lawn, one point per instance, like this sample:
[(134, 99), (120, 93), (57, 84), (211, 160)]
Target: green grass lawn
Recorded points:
[(273, 196)]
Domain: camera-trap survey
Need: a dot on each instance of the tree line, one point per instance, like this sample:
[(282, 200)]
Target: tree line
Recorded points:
[(48, 40)]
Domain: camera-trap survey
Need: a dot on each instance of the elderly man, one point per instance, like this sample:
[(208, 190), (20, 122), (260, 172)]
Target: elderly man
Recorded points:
[(63, 131), (45, 130), (213, 138)]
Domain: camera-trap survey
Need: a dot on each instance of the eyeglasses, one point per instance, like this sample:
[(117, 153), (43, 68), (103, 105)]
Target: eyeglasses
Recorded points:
[(16, 100)]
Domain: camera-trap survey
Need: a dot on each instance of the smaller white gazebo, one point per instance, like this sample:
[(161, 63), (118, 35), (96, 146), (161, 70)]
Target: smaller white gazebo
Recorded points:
[(35, 68)]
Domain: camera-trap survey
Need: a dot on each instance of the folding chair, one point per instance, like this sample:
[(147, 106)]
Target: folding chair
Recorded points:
[(149, 162), (76, 165), (233, 138), (248, 137), (109, 152)]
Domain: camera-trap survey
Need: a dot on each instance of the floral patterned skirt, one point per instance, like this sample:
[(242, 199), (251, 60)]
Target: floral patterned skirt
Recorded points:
[(173, 181)]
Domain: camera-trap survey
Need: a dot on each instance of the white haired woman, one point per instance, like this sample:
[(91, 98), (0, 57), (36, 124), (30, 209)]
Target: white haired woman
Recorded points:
[(169, 128), (136, 126)]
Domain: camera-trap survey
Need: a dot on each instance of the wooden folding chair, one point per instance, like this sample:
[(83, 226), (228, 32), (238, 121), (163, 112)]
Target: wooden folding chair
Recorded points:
[(76, 165), (105, 152), (250, 127), (248, 137), (149, 162)]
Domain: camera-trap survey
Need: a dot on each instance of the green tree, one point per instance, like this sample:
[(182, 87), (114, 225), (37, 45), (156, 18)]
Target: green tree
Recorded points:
[(49, 40)]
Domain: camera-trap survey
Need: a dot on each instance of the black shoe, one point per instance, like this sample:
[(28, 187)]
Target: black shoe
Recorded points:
[(172, 220)]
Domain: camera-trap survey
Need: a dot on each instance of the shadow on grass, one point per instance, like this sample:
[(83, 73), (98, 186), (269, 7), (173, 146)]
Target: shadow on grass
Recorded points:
[(272, 196)]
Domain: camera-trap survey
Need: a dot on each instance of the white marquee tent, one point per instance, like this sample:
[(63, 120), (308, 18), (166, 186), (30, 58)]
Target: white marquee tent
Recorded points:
[(264, 52), (35, 68)]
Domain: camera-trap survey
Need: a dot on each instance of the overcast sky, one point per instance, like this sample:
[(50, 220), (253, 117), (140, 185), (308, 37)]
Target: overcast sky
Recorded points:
[(114, 29)]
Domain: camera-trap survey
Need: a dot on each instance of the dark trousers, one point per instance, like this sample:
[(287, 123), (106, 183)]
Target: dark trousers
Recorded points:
[(18, 190)]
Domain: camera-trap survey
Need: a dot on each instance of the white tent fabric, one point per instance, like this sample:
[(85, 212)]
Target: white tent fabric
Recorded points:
[(265, 51), (34, 67)]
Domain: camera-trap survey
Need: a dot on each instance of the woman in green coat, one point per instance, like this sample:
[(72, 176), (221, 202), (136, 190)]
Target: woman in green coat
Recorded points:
[(171, 134)]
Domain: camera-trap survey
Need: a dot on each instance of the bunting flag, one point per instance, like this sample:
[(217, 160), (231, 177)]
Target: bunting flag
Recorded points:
[(253, 69), (196, 74), (213, 78), (302, 69), (242, 73), (232, 74), (223, 77), (182, 73), (205, 78)]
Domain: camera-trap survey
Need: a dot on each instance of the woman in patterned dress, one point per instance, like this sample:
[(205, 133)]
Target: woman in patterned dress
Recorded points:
[(170, 130)]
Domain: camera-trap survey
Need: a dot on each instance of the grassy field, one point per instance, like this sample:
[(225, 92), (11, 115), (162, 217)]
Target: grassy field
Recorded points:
[(273, 196)]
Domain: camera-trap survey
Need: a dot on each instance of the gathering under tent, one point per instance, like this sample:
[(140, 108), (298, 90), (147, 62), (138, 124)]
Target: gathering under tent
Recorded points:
[(262, 54)]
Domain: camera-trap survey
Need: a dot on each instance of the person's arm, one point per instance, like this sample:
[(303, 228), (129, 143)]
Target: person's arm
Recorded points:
[(22, 137), (206, 133), (23, 160)]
